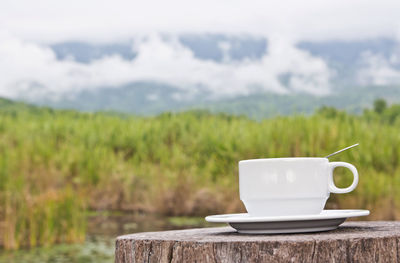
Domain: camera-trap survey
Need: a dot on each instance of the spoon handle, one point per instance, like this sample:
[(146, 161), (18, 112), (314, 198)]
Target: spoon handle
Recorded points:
[(332, 154)]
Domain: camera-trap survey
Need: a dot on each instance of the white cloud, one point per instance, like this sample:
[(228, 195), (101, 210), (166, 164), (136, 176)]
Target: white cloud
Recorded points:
[(379, 70), (95, 20), (163, 60), (25, 58)]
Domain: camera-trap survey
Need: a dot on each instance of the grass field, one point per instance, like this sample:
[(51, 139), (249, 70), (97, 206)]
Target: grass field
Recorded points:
[(55, 165)]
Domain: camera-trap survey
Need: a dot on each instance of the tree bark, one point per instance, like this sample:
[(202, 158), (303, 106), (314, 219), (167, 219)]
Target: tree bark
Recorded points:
[(351, 242)]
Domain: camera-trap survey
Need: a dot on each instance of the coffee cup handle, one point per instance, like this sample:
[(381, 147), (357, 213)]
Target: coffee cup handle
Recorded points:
[(332, 187)]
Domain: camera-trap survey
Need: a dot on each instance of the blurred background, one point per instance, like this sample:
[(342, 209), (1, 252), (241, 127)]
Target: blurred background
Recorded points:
[(125, 116)]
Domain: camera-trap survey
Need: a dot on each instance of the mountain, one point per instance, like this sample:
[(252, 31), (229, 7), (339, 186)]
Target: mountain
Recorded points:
[(206, 47), (151, 99), (13, 106), (346, 59), (265, 105), (148, 99), (86, 52), (138, 98)]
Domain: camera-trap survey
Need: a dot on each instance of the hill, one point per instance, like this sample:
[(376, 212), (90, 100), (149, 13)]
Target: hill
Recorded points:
[(149, 99), (356, 73)]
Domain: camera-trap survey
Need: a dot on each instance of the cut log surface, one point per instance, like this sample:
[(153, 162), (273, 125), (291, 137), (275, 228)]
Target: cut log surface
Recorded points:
[(351, 242)]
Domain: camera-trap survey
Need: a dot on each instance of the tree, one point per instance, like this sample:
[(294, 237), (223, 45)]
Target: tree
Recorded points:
[(380, 106)]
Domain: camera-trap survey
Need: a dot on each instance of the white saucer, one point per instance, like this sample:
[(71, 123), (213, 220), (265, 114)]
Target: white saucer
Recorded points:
[(326, 220)]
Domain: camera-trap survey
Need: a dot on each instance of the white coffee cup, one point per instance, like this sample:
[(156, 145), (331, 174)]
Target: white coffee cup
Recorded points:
[(289, 186)]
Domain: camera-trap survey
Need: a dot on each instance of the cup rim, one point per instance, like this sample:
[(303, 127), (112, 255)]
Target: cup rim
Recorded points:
[(286, 159)]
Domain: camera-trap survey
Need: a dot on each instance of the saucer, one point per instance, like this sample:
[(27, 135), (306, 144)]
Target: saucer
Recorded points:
[(326, 220)]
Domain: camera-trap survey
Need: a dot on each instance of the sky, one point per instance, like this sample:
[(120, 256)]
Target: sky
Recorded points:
[(27, 28)]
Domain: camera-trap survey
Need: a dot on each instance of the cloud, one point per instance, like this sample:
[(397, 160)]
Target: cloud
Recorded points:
[(100, 20), (28, 27), (380, 70), (160, 59)]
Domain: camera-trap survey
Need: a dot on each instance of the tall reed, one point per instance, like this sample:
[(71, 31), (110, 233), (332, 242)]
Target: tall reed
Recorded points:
[(55, 165)]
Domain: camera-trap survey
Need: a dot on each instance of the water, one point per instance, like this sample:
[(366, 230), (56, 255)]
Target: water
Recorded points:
[(100, 241)]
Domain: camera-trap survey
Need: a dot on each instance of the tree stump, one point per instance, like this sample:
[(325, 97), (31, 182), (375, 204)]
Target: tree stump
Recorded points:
[(351, 242)]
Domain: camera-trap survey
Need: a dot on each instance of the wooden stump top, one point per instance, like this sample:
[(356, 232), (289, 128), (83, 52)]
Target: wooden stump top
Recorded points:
[(352, 241)]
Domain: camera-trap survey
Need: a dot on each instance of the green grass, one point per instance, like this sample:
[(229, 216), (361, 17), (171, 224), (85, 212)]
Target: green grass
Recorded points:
[(97, 251), (56, 165)]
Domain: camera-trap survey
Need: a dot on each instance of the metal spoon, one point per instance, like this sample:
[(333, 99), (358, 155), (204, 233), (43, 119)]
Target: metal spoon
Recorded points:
[(354, 145)]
